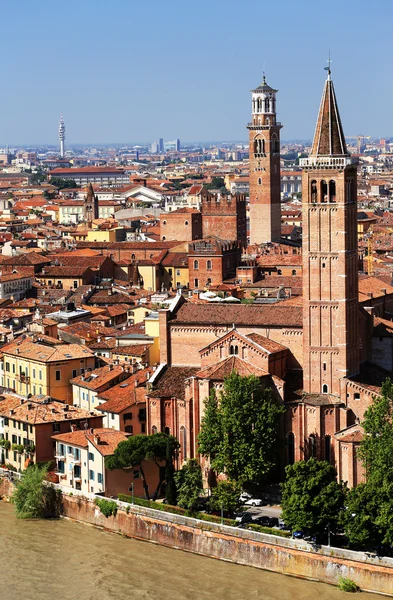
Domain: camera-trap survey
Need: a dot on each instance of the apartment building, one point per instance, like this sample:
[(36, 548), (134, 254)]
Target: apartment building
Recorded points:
[(33, 367), (28, 426), (88, 385), (14, 285)]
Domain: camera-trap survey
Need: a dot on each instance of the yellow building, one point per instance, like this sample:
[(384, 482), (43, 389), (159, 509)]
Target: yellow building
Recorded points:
[(115, 234), (31, 367), (152, 329), (149, 271)]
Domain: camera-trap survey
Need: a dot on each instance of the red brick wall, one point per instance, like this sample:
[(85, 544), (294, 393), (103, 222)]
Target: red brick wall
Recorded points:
[(181, 226), (225, 217)]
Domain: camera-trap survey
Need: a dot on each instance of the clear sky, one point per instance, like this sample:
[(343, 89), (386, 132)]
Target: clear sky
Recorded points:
[(129, 71)]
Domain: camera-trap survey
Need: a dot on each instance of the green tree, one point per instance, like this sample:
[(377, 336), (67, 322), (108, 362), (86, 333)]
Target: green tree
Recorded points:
[(63, 183), (139, 448), (189, 485), (311, 497), (359, 518), (376, 451), (226, 496), (217, 183), (33, 497), (170, 483), (240, 430)]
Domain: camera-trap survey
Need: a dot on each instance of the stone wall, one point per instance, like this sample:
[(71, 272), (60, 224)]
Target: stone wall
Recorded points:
[(281, 555)]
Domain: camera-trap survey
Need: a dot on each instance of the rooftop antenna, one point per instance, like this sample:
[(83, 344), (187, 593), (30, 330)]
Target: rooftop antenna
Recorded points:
[(264, 72), (328, 69)]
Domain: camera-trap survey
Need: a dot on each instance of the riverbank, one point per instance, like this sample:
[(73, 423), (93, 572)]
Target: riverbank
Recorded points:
[(244, 547)]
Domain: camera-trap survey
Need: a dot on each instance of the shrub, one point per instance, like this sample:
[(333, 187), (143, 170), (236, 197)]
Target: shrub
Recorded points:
[(6, 444), (34, 497), (269, 530), (107, 507), (347, 585)]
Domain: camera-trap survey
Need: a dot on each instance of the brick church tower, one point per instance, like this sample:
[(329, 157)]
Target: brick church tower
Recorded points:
[(264, 138), (330, 250)]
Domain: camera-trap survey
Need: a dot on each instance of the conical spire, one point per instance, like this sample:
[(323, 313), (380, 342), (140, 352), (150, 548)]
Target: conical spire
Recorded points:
[(90, 193), (329, 136)]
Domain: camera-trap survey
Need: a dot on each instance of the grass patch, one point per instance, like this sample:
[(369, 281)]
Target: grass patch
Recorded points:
[(347, 585)]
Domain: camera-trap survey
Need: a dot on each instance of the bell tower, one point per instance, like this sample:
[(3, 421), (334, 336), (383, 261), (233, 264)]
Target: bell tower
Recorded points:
[(330, 255), (265, 184)]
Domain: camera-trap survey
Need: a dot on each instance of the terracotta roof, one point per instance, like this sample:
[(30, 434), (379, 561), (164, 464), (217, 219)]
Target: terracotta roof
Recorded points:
[(269, 345), (329, 137), (74, 438), (352, 437), (239, 314), (219, 371), (171, 382), (132, 350), (43, 353), (94, 380), (106, 440), (39, 410)]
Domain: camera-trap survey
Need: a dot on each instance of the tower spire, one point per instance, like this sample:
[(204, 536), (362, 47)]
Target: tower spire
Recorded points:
[(329, 137)]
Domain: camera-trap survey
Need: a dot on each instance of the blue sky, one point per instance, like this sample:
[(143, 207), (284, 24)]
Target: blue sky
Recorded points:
[(128, 71)]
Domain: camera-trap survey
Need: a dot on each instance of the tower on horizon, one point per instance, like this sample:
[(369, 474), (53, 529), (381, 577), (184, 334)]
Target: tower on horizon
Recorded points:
[(265, 183), (330, 255), (61, 136)]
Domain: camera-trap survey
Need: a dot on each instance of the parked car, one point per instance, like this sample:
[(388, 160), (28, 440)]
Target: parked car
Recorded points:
[(254, 502), (262, 521), (283, 526), (298, 535), (272, 522), (244, 496), (244, 517)]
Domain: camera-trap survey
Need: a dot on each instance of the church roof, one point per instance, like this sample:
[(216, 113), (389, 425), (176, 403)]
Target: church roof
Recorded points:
[(219, 371), (329, 137)]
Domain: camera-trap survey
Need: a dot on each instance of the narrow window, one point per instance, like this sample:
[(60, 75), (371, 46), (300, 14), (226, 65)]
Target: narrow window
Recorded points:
[(324, 191), (312, 446), (58, 375), (325, 389), (332, 191), (196, 264), (324, 366), (327, 448), (209, 265)]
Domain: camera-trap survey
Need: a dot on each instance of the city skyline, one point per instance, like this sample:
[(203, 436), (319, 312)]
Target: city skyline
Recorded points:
[(164, 82)]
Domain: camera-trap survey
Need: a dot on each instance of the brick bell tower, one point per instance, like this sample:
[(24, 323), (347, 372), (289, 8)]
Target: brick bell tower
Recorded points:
[(330, 255), (265, 184)]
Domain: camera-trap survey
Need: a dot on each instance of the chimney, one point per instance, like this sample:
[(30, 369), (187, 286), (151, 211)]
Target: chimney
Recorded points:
[(97, 439), (111, 367), (370, 294), (383, 290), (11, 411), (17, 350), (73, 427)]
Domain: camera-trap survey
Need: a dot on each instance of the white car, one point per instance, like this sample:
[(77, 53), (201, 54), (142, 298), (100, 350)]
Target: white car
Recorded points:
[(245, 496), (254, 502)]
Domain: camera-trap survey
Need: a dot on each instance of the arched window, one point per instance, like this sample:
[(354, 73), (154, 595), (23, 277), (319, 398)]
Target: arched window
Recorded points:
[(324, 191), (312, 446), (266, 104), (208, 282), (325, 389), (163, 237), (233, 350), (196, 283), (164, 222), (185, 222), (259, 180), (196, 264), (154, 429), (167, 430), (132, 256), (209, 265), (294, 272), (291, 448), (183, 438), (313, 191), (332, 191), (327, 448)]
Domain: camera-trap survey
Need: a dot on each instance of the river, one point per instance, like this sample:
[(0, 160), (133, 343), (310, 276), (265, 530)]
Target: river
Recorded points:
[(63, 560)]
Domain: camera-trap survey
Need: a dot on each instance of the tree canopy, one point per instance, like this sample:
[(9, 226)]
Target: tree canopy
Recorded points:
[(33, 497), (159, 448), (240, 429), (189, 485), (311, 497), (226, 496)]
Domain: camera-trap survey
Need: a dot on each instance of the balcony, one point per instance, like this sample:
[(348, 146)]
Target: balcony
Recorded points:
[(59, 457), (22, 378)]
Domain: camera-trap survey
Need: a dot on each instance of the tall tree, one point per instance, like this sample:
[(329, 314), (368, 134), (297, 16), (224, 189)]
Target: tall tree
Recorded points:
[(189, 484), (360, 516), (311, 497), (33, 497), (159, 448), (240, 429), (226, 496)]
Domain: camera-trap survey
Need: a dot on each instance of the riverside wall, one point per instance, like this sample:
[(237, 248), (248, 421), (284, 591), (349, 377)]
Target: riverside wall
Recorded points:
[(281, 555)]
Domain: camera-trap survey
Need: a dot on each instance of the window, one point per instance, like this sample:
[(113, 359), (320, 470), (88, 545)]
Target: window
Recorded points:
[(40, 375), (91, 475), (291, 448), (323, 265), (154, 429), (324, 366), (294, 272), (127, 416), (196, 264), (259, 180), (177, 272), (325, 389), (209, 265), (75, 284), (99, 477), (74, 373), (56, 427), (7, 366), (196, 283), (185, 222), (313, 191), (312, 446), (279, 272), (332, 191), (113, 416), (167, 431), (13, 368), (327, 448), (58, 375), (356, 396), (91, 456), (233, 350), (33, 373), (324, 191), (183, 438), (128, 429), (142, 414), (143, 427)]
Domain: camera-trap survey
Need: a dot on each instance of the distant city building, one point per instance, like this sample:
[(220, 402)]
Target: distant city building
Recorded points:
[(161, 145), (103, 176), (154, 148), (177, 145), (61, 136)]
